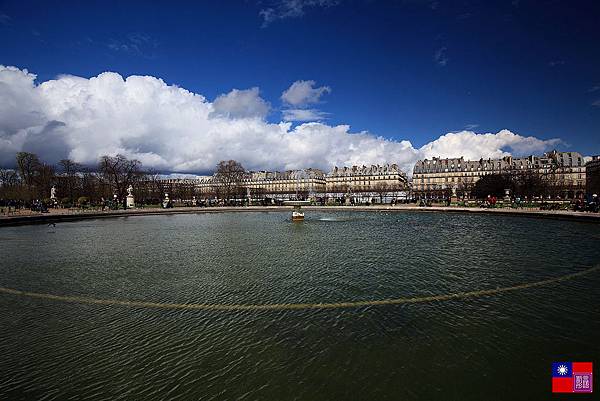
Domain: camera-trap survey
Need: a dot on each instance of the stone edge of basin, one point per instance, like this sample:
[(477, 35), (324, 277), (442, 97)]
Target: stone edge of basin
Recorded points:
[(70, 216)]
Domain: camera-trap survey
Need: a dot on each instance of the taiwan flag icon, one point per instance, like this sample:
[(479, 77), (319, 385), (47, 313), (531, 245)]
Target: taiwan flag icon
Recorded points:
[(572, 377)]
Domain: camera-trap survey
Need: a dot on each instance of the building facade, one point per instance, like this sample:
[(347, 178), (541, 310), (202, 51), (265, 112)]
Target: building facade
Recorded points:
[(292, 183), (592, 176), (565, 171), (299, 184), (254, 184), (387, 178), (188, 187)]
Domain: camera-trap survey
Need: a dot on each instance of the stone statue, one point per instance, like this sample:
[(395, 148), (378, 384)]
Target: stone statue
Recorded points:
[(507, 195), (453, 197), (130, 200), (53, 192), (166, 202)]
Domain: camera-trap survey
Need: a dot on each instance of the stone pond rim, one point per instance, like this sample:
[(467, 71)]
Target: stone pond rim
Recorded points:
[(6, 221)]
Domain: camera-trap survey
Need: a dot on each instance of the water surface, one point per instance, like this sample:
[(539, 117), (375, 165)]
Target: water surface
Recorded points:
[(464, 349)]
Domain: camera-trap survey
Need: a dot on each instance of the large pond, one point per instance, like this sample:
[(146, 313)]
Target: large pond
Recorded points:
[(497, 346)]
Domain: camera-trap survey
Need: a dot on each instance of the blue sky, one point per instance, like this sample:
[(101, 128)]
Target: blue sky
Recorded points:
[(404, 70)]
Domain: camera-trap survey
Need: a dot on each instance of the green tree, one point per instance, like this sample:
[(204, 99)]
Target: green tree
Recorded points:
[(530, 184), (493, 184)]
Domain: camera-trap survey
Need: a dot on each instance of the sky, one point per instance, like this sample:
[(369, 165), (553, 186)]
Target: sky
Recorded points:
[(292, 84)]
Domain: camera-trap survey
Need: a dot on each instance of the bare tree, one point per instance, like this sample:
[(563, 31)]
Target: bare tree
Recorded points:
[(155, 187), (44, 178), (228, 177), (259, 193), (8, 178), (9, 184), (27, 164), (119, 173), (464, 188), (92, 186), (69, 178), (382, 188)]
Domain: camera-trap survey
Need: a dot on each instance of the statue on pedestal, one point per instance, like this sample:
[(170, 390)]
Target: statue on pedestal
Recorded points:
[(130, 199), (454, 196), (53, 200), (166, 202)]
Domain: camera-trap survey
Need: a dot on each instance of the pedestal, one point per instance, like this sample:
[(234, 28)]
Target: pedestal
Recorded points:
[(454, 197), (130, 202)]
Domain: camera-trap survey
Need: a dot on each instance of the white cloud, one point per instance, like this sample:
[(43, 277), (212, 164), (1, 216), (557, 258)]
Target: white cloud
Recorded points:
[(475, 146), (135, 43), (440, 56), (302, 93), (172, 129), (241, 104), (4, 19), (282, 9), (303, 115)]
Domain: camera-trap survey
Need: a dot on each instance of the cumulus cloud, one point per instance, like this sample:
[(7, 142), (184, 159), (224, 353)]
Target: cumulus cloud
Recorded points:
[(475, 146), (175, 130), (304, 115), (299, 96), (302, 93), (241, 104)]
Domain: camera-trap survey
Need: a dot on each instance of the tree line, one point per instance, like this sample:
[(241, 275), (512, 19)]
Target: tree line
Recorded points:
[(31, 179), (525, 185)]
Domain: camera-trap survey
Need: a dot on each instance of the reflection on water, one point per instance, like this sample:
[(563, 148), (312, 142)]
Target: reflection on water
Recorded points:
[(461, 349), (332, 219)]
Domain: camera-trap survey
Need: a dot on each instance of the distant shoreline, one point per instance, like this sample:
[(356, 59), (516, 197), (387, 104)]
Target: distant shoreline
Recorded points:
[(65, 215)]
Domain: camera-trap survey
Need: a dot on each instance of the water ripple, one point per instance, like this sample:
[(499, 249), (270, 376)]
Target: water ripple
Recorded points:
[(70, 351)]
